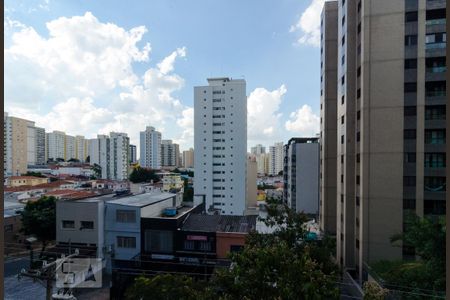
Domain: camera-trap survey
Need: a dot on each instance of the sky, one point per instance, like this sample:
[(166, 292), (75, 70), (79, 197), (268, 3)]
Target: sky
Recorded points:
[(92, 67)]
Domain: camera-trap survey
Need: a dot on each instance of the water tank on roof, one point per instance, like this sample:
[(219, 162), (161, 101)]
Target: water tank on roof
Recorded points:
[(170, 211)]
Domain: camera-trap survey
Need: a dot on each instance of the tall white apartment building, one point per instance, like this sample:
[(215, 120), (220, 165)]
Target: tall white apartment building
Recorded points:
[(170, 154), (111, 154), (276, 158), (55, 145), (262, 164), (258, 150), (150, 148), (220, 142), (70, 148), (81, 148)]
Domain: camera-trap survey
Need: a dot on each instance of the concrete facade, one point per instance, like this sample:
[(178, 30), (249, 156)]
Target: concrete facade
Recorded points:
[(170, 154), (220, 142), (328, 124), (150, 148), (188, 158), (390, 125), (301, 175)]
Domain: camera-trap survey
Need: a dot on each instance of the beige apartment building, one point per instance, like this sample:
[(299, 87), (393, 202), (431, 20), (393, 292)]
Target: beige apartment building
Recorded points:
[(328, 124), (23, 145), (391, 107)]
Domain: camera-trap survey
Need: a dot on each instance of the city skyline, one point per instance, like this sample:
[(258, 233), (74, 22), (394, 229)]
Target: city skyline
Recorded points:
[(145, 70)]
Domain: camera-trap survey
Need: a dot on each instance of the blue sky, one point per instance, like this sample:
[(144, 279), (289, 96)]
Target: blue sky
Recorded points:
[(59, 53)]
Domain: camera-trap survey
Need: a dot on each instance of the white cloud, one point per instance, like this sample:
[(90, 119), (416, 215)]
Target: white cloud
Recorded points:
[(81, 80), (81, 57), (303, 122), (309, 24), (263, 113)]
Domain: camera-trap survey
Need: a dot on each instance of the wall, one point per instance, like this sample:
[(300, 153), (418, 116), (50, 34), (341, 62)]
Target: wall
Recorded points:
[(224, 240)]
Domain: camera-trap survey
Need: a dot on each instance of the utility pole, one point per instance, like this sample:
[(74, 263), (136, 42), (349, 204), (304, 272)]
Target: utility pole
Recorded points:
[(47, 273)]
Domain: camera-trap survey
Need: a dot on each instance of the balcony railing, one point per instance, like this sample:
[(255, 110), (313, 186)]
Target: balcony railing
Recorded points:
[(436, 22), (437, 69), (435, 46)]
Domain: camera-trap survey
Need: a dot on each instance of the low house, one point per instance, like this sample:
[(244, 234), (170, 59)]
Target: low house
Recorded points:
[(15, 181)]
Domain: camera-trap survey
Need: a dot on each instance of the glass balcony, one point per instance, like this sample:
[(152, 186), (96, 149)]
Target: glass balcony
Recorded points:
[(436, 45), (436, 22), (437, 69)]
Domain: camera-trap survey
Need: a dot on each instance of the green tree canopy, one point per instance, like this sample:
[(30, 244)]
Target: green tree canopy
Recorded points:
[(139, 175), (39, 219), (35, 174)]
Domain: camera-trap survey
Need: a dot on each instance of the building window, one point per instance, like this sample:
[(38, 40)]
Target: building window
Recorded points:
[(87, 225), (435, 112), (125, 216), (411, 16), (409, 134), (358, 93), (343, 59), (68, 224), (357, 243), (159, 241), (343, 20), (357, 200), (342, 120), (411, 40), (409, 204), (358, 72), (342, 198), (342, 159), (409, 181), (410, 87), (343, 40), (410, 157), (342, 99), (435, 160), (126, 242), (434, 207), (434, 184), (410, 63), (205, 246), (359, 27), (409, 111), (435, 136), (189, 245), (8, 228), (358, 115), (358, 178), (435, 88), (342, 178), (342, 139)]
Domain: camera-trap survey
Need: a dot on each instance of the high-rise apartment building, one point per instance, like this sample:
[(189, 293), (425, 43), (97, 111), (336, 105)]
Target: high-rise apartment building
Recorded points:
[(276, 155), (328, 117), (188, 158), (132, 154), (70, 147), (81, 148), (55, 145), (258, 150), (39, 145), (301, 175), (220, 142), (170, 154), (150, 148), (111, 154), (22, 145), (391, 130)]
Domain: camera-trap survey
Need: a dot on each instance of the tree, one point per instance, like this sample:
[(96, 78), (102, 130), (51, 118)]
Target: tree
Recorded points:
[(188, 195), (59, 159), (427, 237), (166, 287), (73, 160), (39, 219), (139, 175), (88, 159), (97, 170)]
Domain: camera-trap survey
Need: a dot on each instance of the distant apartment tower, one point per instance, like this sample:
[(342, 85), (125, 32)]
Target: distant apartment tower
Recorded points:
[(111, 154), (170, 154), (328, 117), (22, 145), (150, 148), (263, 163), (81, 148), (301, 175), (391, 130), (55, 145), (132, 155), (258, 150), (188, 158), (220, 142), (276, 158)]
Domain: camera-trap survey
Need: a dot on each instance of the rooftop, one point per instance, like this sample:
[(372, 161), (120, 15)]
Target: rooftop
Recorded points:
[(142, 200), (218, 223), (25, 177)]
